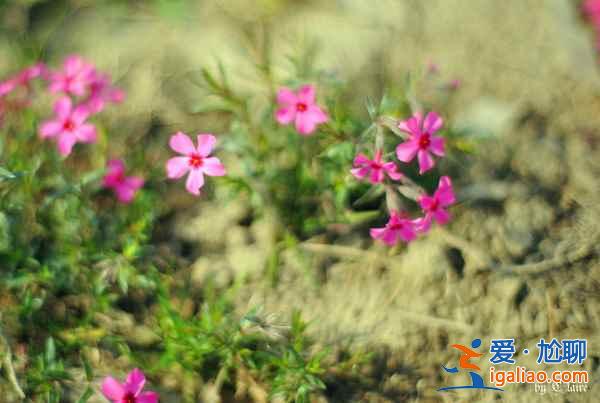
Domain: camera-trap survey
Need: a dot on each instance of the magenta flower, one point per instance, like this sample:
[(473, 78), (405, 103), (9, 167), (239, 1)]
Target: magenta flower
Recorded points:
[(398, 227), (195, 160), (435, 206), (130, 391), (23, 78), (69, 126), (300, 108), (591, 8), (124, 187), (101, 92), (375, 169), (74, 78), (421, 142)]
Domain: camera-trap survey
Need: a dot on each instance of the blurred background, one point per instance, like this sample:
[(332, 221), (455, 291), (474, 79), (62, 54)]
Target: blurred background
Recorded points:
[(525, 83)]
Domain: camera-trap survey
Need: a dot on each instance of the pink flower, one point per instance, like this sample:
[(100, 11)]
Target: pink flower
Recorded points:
[(123, 186), (300, 108), (195, 160), (591, 8), (455, 84), (101, 91), (421, 142), (375, 169), (75, 77), (23, 78), (435, 206), (69, 126), (130, 391), (399, 226)]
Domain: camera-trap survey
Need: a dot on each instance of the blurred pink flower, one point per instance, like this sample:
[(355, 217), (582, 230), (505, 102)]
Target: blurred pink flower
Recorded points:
[(101, 91), (68, 126), (432, 68), (196, 160), (300, 108), (74, 78), (398, 227), (130, 391), (435, 206), (124, 187), (591, 8), (455, 84), (23, 78), (421, 142), (375, 169)]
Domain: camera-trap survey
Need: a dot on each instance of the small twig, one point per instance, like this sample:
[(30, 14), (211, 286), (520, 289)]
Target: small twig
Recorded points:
[(435, 322), (8, 367), (339, 251), (554, 263)]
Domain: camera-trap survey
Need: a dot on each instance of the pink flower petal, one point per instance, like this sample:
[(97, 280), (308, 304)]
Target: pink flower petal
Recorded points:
[(426, 202), (376, 176), (426, 161), (62, 107), (66, 141), (181, 143), (361, 159), (7, 87), (212, 167), (391, 170), (194, 182), (112, 389), (177, 167), (134, 182), (114, 172), (377, 233), (444, 193), (406, 151), (86, 133), (206, 143), (360, 173), (305, 124), (423, 224), (125, 194), (50, 129), (80, 114), (306, 94), (433, 122), (72, 64), (135, 381), (148, 397), (407, 233), (441, 216), (390, 238), (116, 95), (286, 97), (285, 115), (411, 125), (57, 84), (438, 145), (317, 114)]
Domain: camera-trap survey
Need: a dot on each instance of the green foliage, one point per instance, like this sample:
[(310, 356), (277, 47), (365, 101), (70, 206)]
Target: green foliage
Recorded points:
[(217, 344)]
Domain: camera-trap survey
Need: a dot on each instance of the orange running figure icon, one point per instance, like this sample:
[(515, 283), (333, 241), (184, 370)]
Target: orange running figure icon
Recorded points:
[(468, 354)]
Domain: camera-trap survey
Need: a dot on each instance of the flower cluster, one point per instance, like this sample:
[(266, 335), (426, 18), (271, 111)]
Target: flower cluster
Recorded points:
[(83, 91), (591, 10), (422, 143)]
